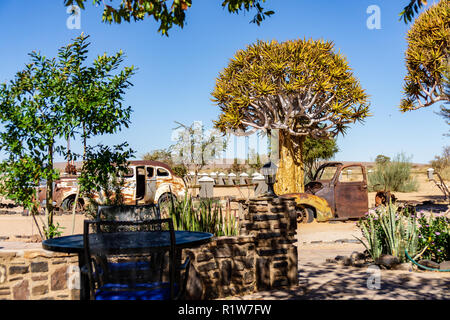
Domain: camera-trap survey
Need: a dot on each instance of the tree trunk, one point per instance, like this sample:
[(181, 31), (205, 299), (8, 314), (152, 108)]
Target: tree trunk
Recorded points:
[(49, 193), (290, 172)]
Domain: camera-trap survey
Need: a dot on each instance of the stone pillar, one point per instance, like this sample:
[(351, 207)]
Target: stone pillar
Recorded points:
[(261, 185), (231, 179), (221, 178), (273, 223), (206, 187), (243, 178)]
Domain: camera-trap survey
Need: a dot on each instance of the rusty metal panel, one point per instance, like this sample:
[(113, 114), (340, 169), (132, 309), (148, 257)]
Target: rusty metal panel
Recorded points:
[(351, 195)]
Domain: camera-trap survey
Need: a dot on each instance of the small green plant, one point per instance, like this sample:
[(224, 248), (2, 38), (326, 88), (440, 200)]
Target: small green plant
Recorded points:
[(434, 236), (205, 215), (393, 175), (53, 231)]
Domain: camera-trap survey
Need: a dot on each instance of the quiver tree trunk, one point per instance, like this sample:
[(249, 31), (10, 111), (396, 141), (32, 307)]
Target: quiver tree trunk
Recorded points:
[(290, 174)]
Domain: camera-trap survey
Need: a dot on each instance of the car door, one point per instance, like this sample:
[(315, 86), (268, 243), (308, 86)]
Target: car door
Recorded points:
[(325, 175), (150, 187), (350, 192)]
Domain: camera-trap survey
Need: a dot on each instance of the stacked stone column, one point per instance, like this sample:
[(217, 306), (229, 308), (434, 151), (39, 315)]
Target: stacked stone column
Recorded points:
[(273, 223)]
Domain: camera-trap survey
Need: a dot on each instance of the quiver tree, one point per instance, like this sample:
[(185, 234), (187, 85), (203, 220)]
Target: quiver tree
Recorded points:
[(427, 58), (301, 88)]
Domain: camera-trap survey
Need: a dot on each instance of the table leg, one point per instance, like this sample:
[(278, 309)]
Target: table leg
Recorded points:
[(84, 279)]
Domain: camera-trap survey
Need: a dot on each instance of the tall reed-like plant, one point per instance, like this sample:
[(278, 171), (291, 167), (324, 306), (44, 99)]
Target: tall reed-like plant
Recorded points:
[(205, 215)]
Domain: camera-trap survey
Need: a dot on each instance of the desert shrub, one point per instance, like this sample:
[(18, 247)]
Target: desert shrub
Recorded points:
[(441, 163), (393, 175)]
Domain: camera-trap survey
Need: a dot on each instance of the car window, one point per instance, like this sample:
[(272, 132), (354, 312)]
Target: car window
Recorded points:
[(129, 173), (150, 172), (326, 173), (140, 171), (351, 174), (162, 172)]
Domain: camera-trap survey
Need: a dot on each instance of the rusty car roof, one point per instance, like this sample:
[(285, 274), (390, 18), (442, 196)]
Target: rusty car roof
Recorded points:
[(151, 163)]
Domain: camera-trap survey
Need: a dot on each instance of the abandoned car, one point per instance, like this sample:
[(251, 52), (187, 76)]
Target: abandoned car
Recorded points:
[(337, 192), (147, 182)]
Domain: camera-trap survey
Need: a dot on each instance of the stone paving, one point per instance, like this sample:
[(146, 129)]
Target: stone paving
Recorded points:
[(319, 280)]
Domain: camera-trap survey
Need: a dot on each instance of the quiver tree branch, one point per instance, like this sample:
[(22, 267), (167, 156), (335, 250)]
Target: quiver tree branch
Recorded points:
[(427, 58)]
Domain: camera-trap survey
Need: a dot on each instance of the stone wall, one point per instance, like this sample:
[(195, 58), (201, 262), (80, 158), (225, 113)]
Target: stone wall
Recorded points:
[(223, 267), (38, 275), (262, 257)]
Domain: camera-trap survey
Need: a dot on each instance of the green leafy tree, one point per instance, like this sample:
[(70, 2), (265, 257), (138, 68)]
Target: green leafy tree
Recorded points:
[(427, 58), (314, 151), (300, 87), (167, 13), (94, 93), (382, 159), (33, 116), (50, 101), (101, 176)]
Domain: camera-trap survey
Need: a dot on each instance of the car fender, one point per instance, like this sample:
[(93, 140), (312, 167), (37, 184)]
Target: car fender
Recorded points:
[(323, 209), (177, 189)]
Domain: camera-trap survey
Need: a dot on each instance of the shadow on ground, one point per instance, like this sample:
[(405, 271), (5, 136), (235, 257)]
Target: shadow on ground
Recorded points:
[(332, 282)]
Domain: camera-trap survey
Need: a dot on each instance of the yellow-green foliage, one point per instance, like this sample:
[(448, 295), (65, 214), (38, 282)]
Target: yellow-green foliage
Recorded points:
[(427, 58), (301, 86)]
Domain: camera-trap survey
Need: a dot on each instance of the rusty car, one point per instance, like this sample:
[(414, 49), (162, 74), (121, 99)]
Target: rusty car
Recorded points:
[(338, 192), (146, 182)]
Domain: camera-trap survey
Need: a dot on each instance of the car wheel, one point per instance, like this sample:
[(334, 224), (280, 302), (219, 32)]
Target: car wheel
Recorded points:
[(305, 215), (68, 203)]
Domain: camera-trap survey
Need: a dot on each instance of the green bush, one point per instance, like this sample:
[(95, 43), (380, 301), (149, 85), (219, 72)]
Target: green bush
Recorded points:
[(434, 237), (393, 176)]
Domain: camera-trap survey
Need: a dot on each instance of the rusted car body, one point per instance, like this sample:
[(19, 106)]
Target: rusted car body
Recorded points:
[(337, 192), (147, 182)]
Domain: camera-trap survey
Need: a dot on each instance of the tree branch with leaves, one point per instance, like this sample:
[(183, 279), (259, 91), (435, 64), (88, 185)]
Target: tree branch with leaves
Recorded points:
[(427, 58), (167, 12)]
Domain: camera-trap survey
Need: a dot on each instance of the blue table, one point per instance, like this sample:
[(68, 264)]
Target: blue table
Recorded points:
[(132, 241)]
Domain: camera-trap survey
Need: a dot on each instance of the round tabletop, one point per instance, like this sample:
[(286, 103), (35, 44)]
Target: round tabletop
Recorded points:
[(136, 240)]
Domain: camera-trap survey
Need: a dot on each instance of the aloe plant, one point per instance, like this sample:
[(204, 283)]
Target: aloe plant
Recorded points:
[(389, 230), (374, 243)]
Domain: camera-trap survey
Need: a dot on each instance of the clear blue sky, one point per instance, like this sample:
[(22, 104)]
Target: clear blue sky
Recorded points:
[(177, 74)]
